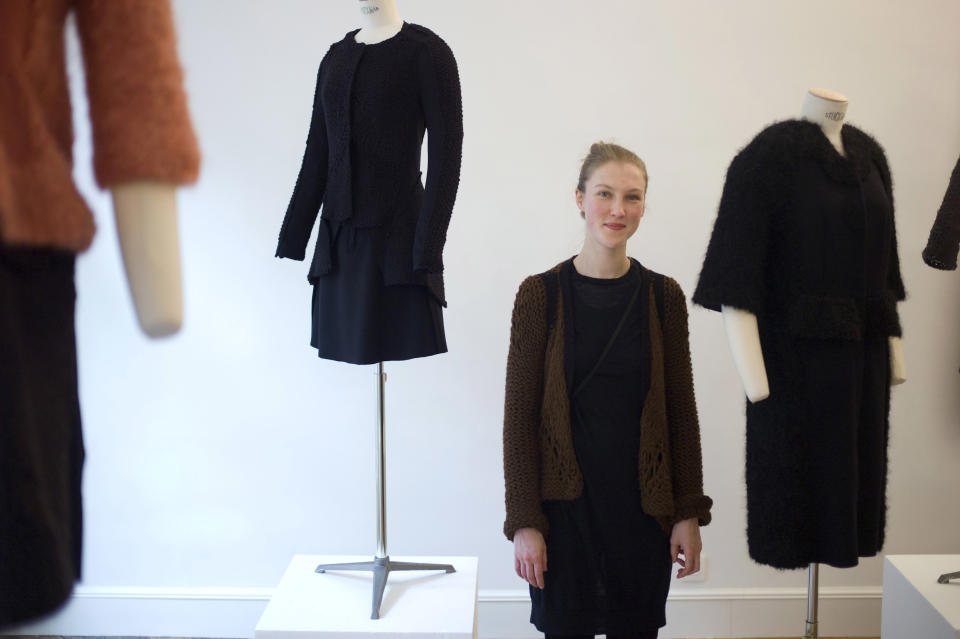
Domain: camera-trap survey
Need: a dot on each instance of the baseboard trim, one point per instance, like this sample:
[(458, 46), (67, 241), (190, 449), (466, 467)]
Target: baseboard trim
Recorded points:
[(173, 593)]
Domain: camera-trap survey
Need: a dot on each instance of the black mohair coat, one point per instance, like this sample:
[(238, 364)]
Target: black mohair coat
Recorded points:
[(944, 241), (805, 240), (362, 159)]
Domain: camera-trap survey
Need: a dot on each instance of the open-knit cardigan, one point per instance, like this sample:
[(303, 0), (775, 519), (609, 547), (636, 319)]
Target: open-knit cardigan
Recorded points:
[(539, 461), (138, 109)]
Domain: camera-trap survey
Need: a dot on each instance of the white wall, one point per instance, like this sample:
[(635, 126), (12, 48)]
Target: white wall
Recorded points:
[(216, 455)]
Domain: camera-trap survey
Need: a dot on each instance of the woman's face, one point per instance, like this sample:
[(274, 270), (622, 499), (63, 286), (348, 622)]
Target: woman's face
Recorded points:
[(612, 203)]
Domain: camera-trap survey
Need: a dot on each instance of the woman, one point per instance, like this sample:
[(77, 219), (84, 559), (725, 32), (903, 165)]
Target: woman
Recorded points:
[(601, 440)]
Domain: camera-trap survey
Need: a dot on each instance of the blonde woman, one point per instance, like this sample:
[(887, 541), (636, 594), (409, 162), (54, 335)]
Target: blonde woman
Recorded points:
[(602, 462)]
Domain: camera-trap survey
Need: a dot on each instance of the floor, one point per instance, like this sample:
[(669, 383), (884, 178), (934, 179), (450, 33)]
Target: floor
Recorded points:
[(69, 637)]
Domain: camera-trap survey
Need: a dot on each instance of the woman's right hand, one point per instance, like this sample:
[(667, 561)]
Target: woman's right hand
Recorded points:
[(530, 555)]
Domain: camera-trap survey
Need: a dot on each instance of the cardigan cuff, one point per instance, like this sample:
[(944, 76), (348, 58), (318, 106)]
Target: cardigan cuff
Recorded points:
[(285, 249), (941, 253), (691, 506), (538, 521)]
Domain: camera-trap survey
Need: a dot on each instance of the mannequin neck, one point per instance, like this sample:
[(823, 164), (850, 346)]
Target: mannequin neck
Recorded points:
[(380, 21), (827, 109), (602, 262)]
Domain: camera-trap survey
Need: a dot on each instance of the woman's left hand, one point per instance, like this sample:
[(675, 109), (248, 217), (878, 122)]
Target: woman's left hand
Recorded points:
[(685, 540)]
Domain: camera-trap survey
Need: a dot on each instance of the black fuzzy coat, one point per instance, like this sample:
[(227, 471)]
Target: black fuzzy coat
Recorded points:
[(944, 242), (372, 104), (805, 240)]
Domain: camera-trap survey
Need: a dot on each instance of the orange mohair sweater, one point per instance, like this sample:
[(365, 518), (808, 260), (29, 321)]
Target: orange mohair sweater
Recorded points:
[(141, 127), (539, 461)]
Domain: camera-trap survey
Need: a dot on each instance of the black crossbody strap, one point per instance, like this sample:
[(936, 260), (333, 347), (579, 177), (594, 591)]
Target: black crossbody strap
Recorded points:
[(613, 337), (551, 284), (658, 295)]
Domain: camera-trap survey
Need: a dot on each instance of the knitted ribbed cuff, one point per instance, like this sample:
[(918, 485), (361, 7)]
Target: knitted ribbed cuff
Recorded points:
[(538, 521), (691, 506)]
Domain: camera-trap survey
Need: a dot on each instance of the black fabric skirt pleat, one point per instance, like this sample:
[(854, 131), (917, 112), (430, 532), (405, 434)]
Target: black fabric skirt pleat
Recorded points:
[(360, 320)]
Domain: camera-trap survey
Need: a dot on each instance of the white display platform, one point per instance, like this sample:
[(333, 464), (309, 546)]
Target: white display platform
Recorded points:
[(336, 605), (915, 606)]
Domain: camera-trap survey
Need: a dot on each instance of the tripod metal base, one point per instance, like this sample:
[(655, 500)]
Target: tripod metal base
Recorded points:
[(381, 568)]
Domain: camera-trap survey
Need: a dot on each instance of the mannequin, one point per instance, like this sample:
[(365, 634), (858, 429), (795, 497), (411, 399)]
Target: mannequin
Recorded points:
[(827, 109), (381, 21), (382, 91), (143, 146), (146, 218), (377, 268)]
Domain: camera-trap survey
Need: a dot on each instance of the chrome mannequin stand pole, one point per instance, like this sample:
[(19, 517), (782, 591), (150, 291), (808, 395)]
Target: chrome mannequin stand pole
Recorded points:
[(812, 595), (381, 566)]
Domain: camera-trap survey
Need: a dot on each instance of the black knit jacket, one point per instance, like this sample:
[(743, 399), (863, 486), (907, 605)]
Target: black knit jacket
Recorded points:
[(768, 257), (944, 242), (371, 107)]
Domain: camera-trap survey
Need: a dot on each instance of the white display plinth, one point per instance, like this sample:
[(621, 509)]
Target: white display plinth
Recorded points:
[(915, 606), (336, 605)]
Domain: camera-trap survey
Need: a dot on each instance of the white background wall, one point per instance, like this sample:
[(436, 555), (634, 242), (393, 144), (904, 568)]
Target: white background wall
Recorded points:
[(216, 455)]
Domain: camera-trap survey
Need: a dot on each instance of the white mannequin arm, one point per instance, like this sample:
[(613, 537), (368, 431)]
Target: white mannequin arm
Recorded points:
[(146, 214), (744, 338), (898, 367)]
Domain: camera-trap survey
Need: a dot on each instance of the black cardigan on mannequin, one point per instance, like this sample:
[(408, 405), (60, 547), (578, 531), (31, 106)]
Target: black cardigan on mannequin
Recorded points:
[(362, 159)]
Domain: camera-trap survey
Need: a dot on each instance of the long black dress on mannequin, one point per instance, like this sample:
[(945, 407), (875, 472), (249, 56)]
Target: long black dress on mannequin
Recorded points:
[(805, 240), (377, 266)]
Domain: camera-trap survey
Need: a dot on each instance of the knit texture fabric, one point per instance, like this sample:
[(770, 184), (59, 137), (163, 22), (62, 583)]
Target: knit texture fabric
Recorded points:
[(805, 240), (767, 257), (539, 460), (944, 242), (138, 110), (371, 107)]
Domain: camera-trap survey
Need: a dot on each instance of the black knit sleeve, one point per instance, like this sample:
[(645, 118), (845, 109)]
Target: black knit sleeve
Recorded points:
[(944, 242), (443, 112), (894, 278), (734, 268), (311, 183)]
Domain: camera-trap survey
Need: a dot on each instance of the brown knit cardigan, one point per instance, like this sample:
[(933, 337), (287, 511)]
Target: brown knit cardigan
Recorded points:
[(539, 461), (141, 128)]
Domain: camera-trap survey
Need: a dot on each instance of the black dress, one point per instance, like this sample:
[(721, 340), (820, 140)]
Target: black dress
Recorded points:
[(377, 268), (805, 240), (608, 562)]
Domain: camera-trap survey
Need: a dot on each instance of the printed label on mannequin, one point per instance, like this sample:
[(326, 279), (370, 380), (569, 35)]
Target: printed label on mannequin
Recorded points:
[(836, 116), (368, 10)]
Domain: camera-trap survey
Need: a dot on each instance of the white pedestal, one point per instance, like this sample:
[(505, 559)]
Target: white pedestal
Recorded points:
[(915, 606), (336, 605)]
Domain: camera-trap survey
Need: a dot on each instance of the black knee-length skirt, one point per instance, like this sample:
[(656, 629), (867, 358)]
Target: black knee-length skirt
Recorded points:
[(41, 447), (357, 318)]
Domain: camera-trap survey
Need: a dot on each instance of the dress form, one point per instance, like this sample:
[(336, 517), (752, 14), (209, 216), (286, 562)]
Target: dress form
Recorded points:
[(827, 109), (381, 21)]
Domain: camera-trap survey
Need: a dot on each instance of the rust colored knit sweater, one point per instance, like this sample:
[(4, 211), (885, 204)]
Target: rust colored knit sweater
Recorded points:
[(539, 461), (141, 128)]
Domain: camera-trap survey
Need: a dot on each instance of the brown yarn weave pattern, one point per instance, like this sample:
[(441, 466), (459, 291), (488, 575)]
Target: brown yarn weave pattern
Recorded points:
[(539, 460)]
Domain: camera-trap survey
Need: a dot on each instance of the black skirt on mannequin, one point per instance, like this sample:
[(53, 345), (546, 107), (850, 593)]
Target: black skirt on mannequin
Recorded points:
[(357, 318), (41, 447), (608, 562)]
